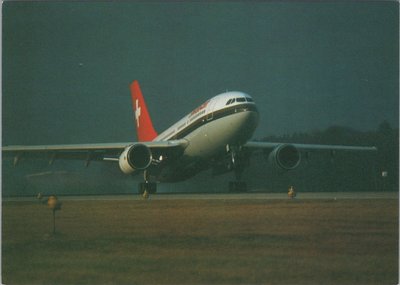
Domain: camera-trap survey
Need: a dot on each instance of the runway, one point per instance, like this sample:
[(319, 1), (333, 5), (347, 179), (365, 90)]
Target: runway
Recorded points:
[(244, 238), (226, 196)]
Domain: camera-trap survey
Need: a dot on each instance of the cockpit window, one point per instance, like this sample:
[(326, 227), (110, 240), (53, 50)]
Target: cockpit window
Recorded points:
[(239, 100), (230, 101)]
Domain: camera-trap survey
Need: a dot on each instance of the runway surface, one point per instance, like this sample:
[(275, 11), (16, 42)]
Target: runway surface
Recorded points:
[(227, 196), (243, 238)]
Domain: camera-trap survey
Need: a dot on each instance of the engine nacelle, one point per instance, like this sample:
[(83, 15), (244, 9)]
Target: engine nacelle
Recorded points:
[(285, 156), (135, 157)]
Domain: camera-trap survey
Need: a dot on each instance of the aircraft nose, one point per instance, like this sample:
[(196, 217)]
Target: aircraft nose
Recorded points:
[(253, 117), (249, 123)]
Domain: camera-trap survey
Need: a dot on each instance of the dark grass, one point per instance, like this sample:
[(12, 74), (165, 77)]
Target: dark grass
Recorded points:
[(202, 242)]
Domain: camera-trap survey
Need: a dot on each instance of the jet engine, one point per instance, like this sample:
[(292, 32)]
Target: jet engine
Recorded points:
[(135, 157), (284, 156)]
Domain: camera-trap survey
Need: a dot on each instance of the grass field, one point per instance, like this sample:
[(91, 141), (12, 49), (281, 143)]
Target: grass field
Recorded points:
[(202, 242)]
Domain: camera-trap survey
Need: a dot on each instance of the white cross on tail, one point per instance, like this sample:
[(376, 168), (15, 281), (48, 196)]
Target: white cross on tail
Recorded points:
[(137, 112)]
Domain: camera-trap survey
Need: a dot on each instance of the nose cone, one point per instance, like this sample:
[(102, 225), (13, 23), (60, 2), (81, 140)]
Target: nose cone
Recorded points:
[(251, 121), (248, 123)]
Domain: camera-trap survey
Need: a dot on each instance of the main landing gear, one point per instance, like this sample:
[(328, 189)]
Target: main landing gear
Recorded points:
[(237, 186), (238, 165), (146, 188)]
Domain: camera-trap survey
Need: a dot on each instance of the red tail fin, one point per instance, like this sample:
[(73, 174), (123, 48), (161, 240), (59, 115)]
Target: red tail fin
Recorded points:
[(144, 126)]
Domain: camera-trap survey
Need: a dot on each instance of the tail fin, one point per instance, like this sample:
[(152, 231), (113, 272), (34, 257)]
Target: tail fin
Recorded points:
[(144, 126)]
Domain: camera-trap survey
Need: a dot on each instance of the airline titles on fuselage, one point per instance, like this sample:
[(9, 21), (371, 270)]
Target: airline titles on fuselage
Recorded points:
[(195, 114), (194, 117), (198, 109)]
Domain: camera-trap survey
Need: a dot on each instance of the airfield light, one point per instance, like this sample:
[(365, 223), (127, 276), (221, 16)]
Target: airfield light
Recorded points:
[(291, 192), (54, 205), (384, 176)]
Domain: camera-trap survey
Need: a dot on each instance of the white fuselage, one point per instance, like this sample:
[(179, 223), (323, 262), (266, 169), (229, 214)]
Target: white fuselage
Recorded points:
[(225, 121)]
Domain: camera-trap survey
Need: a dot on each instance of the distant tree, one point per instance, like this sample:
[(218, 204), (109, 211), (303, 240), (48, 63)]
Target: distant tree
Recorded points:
[(385, 129)]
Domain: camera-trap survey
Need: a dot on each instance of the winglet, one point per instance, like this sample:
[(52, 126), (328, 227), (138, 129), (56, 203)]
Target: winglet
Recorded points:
[(144, 125)]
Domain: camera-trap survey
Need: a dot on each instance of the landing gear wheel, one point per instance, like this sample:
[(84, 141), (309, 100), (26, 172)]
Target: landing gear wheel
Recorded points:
[(237, 186), (145, 195), (147, 187)]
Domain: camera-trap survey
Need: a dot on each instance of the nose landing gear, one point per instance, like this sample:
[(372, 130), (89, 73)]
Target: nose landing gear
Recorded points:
[(238, 164)]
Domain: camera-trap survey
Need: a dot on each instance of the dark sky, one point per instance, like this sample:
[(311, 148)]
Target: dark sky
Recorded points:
[(67, 65)]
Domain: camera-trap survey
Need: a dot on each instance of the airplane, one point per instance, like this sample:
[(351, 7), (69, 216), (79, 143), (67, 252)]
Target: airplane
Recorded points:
[(216, 135)]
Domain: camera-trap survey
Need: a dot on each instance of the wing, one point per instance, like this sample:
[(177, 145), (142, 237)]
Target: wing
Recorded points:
[(85, 152), (288, 156), (307, 147)]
